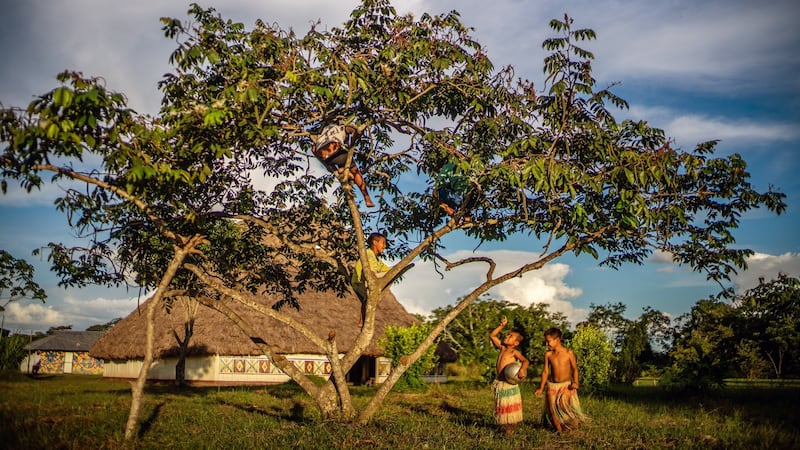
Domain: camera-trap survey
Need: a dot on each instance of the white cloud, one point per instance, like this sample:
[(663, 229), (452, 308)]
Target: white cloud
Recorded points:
[(17, 196), (544, 286), (660, 257), (689, 129), (100, 309), (122, 42), (80, 313), (423, 290), (22, 316), (709, 45), (768, 267), (692, 129)]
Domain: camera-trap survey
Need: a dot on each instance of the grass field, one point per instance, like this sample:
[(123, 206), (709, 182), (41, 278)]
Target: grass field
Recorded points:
[(87, 412)]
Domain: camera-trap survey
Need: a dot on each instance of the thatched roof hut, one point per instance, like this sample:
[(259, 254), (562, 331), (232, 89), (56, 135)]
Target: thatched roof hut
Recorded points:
[(216, 334)]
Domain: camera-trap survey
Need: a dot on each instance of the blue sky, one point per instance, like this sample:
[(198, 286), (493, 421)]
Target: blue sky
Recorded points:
[(701, 70)]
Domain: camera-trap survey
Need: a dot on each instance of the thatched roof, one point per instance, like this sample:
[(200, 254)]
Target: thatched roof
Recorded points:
[(67, 341), (216, 334)]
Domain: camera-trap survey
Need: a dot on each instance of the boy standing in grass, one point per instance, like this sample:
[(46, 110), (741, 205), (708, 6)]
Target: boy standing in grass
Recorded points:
[(507, 398), (562, 408)]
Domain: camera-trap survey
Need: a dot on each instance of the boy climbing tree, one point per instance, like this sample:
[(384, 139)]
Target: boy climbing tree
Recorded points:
[(331, 151)]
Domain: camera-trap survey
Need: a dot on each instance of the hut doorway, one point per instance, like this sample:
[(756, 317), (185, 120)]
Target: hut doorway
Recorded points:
[(362, 371)]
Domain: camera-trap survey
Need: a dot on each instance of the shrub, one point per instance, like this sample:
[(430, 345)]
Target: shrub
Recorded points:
[(402, 341), (12, 352), (696, 367), (593, 350)]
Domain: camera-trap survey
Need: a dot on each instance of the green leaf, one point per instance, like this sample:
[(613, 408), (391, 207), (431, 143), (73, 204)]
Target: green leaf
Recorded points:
[(630, 176)]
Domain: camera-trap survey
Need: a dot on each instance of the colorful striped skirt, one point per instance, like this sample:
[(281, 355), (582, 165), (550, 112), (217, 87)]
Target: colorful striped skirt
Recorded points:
[(507, 403)]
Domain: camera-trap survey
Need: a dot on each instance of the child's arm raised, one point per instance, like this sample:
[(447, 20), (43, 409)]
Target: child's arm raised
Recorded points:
[(496, 331)]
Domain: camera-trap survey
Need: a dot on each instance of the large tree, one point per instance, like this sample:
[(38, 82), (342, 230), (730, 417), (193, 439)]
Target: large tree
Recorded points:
[(704, 346), (770, 314), (754, 333), (176, 201), (638, 343)]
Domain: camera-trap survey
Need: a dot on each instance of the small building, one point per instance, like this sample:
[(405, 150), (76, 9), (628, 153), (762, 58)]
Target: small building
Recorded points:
[(220, 352), (63, 351), (444, 354)]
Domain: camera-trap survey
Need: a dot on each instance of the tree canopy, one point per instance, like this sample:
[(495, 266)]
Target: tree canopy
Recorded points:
[(218, 196)]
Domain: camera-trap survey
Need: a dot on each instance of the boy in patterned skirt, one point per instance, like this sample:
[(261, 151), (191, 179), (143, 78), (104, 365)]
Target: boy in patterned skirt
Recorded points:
[(562, 409), (507, 397)]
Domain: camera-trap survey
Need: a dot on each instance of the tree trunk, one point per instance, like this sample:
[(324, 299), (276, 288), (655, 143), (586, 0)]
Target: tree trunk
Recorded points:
[(407, 361), (183, 350), (332, 399), (137, 389), (180, 366), (777, 362), (490, 282), (189, 307), (327, 400), (338, 381)]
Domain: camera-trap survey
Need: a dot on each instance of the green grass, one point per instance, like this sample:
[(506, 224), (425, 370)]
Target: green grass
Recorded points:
[(735, 383), (88, 412)]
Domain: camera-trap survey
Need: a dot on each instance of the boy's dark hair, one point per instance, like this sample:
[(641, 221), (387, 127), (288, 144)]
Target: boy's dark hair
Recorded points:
[(371, 238), (553, 332), (520, 336)]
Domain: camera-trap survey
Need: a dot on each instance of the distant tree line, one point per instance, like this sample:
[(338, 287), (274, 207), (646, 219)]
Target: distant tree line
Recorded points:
[(754, 335)]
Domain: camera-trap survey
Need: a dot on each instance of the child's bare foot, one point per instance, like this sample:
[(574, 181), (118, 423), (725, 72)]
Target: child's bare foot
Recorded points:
[(368, 202), (447, 209)]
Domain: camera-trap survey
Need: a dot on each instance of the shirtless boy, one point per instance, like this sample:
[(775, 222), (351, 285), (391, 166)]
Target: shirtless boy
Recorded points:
[(507, 397), (330, 151), (560, 378)]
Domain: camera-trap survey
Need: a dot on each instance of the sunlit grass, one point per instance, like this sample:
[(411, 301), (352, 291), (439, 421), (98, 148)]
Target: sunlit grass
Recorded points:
[(89, 412)]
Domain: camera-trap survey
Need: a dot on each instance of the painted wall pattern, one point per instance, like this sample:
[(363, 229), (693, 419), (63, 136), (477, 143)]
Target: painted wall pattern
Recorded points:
[(85, 364), (51, 362), (54, 362), (255, 365)]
